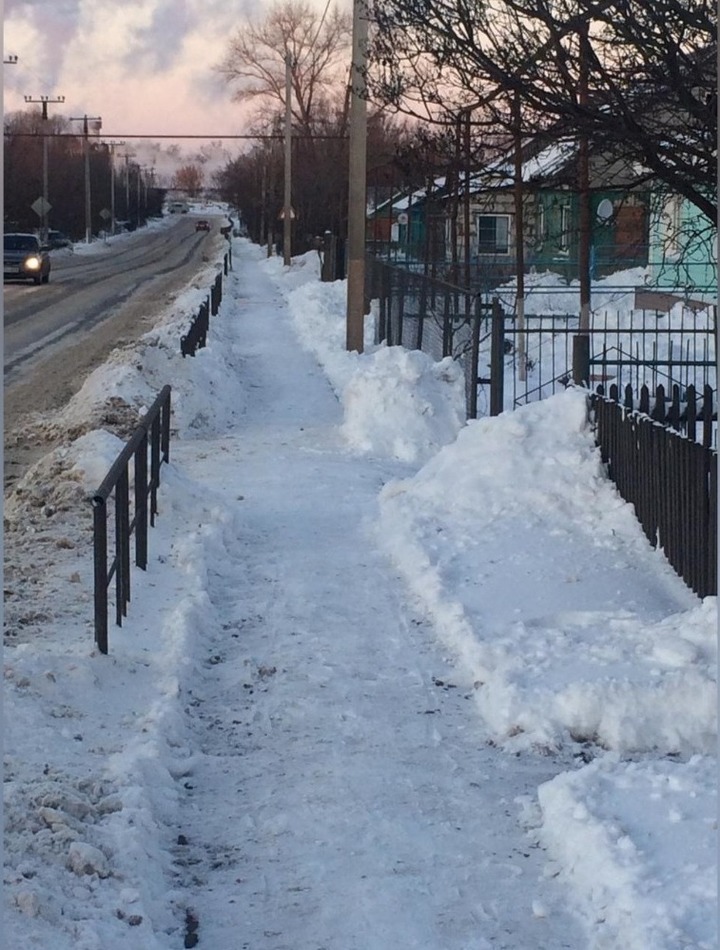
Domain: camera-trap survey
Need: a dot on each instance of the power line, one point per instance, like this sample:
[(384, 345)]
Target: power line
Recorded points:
[(216, 137)]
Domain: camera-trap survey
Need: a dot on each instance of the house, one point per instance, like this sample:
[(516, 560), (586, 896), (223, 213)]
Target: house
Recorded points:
[(551, 215), (683, 247)]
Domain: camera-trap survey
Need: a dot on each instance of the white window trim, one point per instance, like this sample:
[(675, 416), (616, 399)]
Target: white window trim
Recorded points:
[(565, 227)]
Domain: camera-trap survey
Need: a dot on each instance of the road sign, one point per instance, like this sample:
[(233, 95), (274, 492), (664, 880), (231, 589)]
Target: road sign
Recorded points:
[(40, 206), (105, 214)]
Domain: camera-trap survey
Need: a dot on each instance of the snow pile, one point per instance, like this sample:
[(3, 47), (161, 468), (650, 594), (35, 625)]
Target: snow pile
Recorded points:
[(637, 683), (396, 402), (601, 823)]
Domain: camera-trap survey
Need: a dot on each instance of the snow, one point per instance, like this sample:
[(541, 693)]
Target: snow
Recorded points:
[(390, 680)]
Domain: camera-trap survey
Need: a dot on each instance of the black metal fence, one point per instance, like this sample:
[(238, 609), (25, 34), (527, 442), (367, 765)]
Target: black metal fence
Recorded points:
[(132, 510), (644, 350), (659, 449), (670, 479), (509, 362), (196, 337), (420, 312)]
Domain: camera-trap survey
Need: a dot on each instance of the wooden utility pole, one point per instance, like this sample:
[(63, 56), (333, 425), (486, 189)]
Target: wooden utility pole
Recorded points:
[(287, 203), (584, 190), (581, 341), (519, 238), (357, 198)]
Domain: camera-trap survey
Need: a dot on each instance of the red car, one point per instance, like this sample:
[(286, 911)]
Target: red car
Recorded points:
[(202, 225)]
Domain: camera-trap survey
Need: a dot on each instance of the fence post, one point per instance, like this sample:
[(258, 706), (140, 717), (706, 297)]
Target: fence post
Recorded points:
[(165, 413), (122, 545), (101, 578), (422, 310), (327, 273), (447, 326), (402, 284), (691, 412), (581, 359), (383, 281), (497, 359), (155, 430), (475, 361), (707, 414), (141, 507)]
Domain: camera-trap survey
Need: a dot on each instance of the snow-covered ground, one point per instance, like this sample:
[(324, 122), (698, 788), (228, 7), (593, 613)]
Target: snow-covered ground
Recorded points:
[(391, 680)]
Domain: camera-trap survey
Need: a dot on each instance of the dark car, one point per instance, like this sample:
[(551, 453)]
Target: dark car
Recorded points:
[(202, 225), (56, 240), (25, 258)]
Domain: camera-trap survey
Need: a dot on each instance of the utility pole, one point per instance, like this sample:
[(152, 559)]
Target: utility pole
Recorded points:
[(127, 156), (581, 342), (584, 187), (86, 120), (519, 235), (287, 202), (43, 101), (112, 184), (357, 197)]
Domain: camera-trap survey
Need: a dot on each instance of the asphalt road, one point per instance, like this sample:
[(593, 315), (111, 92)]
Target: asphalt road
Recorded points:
[(57, 333)]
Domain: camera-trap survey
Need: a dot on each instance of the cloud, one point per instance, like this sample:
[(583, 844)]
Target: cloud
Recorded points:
[(157, 45), (146, 66)]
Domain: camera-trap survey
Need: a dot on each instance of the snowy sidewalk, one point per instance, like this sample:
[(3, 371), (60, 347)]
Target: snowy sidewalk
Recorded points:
[(391, 681), (342, 785)]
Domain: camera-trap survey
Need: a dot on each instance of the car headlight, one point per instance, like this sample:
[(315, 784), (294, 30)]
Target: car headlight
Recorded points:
[(32, 263)]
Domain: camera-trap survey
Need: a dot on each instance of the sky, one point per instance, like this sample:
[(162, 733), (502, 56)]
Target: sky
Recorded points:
[(144, 66), (391, 679)]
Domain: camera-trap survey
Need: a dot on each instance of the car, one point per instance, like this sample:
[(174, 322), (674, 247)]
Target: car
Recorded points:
[(202, 225), (25, 258), (56, 240)]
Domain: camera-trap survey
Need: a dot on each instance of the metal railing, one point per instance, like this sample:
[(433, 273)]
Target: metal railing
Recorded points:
[(132, 512), (196, 337), (671, 481)]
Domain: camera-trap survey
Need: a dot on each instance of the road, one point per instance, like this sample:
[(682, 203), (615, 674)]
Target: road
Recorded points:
[(57, 333)]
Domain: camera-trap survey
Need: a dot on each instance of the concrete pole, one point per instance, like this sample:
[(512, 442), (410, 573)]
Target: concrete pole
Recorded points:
[(44, 230), (127, 186), (357, 198), (86, 119), (287, 203), (113, 177), (112, 190), (44, 100), (88, 199)]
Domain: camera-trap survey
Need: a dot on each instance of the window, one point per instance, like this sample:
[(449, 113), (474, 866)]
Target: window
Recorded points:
[(565, 223), (493, 231), (672, 226), (540, 226)]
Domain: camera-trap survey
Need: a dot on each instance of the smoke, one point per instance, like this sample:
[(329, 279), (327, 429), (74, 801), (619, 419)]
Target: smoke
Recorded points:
[(53, 25)]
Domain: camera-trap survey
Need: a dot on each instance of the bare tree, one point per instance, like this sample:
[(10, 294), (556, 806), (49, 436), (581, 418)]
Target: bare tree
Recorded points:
[(189, 178), (651, 70), (316, 47)]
